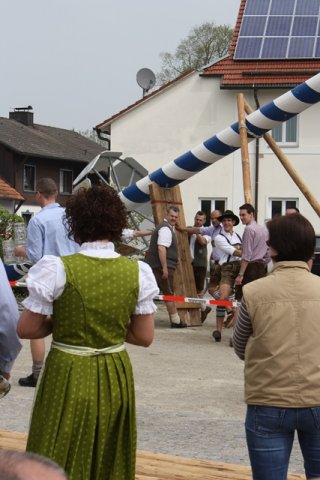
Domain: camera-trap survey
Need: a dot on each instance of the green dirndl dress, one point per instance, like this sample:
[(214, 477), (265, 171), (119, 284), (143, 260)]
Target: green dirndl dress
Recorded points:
[(84, 412)]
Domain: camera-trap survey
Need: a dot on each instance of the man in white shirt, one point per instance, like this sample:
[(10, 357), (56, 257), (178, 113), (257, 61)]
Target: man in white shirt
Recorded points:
[(163, 259), (228, 245)]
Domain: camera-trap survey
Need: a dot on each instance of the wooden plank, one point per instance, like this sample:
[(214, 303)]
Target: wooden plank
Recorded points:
[(13, 440), (169, 467), (158, 466), (161, 198)]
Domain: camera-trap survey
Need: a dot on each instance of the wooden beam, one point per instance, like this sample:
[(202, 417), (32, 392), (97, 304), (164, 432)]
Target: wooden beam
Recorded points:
[(246, 177), (288, 167), (185, 286), (158, 466)]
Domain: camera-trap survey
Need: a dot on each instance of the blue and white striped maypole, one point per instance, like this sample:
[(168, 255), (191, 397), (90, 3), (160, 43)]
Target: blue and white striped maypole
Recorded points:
[(227, 141)]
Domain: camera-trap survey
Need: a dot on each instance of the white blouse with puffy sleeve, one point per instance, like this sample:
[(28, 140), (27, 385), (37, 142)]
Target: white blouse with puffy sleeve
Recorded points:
[(46, 280)]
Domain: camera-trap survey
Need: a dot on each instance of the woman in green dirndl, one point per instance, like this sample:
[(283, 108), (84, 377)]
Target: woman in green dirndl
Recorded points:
[(92, 302)]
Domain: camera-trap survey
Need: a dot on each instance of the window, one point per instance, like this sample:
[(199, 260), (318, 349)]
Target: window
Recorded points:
[(29, 177), (66, 179), (207, 205), (278, 206), (287, 132)]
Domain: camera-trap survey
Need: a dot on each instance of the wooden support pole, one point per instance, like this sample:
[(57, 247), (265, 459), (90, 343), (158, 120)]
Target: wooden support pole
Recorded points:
[(185, 286), (244, 150), (289, 168)]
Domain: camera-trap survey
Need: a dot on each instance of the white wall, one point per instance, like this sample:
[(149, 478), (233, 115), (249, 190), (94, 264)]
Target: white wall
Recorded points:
[(28, 208), (7, 204)]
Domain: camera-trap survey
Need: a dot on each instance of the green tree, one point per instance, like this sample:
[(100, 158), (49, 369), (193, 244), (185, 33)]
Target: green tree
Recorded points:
[(203, 45)]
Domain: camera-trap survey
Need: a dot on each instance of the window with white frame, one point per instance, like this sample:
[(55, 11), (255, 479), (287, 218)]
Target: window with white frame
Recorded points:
[(66, 180), (278, 206), (29, 177), (287, 132), (207, 205)]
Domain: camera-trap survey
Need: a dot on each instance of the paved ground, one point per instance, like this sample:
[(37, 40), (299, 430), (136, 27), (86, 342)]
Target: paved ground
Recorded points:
[(189, 395)]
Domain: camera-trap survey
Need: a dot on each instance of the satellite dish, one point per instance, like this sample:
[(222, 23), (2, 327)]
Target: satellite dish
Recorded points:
[(146, 79)]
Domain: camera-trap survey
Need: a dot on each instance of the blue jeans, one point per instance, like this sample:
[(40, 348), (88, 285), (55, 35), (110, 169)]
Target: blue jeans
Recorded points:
[(270, 433)]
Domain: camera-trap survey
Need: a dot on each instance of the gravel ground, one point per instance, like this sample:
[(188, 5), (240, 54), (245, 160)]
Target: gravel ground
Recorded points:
[(189, 393)]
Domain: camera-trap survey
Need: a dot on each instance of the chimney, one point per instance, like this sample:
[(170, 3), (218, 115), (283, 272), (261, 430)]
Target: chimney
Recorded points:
[(22, 115)]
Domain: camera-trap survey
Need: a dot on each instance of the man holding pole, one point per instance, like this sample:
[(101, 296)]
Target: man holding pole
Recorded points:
[(163, 259), (254, 250), (212, 231), (199, 254)]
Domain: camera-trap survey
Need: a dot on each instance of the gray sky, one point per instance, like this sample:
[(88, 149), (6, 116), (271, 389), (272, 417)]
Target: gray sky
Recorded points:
[(75, 61)]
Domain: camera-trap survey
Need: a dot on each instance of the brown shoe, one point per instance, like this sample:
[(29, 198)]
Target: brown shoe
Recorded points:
[(205, 313), (179, 325), (229, 320)]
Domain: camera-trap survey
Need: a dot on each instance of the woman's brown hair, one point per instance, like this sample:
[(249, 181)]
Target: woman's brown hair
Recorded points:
[(94, 214), (292, 236)]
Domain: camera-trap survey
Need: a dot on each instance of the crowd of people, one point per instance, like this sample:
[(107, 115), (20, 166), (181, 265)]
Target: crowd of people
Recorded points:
[(93, 300), (234, 262)]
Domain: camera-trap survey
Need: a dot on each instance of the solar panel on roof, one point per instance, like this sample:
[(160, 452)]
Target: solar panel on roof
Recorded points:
[(249, 47), (279, 29), (282, 7), (253, 26), (301, 47), (304, 26), (278, 24), (259, 7), (275, 47), (309, 7)]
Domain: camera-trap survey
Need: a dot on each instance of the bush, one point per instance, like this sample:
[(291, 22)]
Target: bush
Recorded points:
[(7, 220)]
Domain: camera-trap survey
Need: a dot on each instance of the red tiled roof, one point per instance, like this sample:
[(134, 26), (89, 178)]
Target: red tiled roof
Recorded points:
[(109, 120), (260, 73), (8, 192)]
